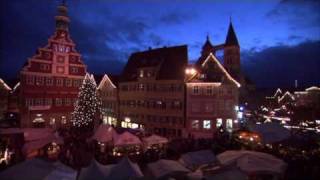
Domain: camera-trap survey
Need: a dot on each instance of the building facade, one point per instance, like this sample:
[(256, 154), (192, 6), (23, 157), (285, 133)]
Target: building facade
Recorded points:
[(151, 91), (108, 92), (4, 98), (211, 99), (50, 80)]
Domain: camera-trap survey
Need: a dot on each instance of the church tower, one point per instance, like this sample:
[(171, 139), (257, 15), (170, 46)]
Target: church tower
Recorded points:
[(207, 48), (231, 58)]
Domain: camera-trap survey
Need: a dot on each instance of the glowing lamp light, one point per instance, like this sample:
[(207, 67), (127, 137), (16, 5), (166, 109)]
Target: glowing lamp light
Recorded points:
[(190, 71), (251, 138)]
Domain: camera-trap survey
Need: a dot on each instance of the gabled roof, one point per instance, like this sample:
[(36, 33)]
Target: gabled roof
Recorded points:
[(4, 85), (219, 71), (113, 80), (231, 36), (169, 63), (286, 95)]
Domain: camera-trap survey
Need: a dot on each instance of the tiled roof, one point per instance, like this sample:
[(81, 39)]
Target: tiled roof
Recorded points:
[(169, 63)]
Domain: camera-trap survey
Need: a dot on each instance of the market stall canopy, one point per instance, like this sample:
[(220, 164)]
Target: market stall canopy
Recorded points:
[(125, 169), (271, 132), (252, 162), (154, 139), (30, 146), (95, 171), (105, 133), (227, 174), (126, 139), (193, 160), (38, 169), (164, 169)]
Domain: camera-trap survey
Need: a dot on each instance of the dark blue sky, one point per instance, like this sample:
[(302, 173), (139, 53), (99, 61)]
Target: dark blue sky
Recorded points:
[(280, 38)]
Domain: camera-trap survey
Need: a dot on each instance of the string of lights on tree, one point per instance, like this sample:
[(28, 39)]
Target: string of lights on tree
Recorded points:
[(87, 104)]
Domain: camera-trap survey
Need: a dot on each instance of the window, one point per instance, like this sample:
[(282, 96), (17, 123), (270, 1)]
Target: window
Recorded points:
[(49, 81), (229, 125), (30, 80), (68, 102), (58, 101), (44, 67), (60, 69), (195, 124), (141, 73), (60, 59), (141, 87), (29, 102), (68, 82), (48, 101), (77, 82), (195, 89), (39, 80), (38, 102), (59, 82), (219, 122), (74, 70), (206, 124), (209, 90), (176, 104)]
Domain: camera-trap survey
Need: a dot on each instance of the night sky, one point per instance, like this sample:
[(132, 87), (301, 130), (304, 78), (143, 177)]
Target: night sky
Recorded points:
[(279, 39)]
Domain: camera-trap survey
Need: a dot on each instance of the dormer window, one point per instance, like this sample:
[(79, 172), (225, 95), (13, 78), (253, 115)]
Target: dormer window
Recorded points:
[(141, 73)]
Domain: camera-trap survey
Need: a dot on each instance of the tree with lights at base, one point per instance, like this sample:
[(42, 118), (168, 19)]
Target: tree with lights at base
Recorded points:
[(86, 107)]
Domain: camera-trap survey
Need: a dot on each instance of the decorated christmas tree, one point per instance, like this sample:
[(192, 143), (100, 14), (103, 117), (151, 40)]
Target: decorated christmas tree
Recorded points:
[(86, 106)]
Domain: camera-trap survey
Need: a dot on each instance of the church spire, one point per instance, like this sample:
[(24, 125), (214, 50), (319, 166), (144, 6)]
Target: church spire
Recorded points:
[(62, 18), (231, 36)]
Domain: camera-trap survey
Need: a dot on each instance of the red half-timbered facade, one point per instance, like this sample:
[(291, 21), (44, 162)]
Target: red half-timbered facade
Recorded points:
[(51, 78)]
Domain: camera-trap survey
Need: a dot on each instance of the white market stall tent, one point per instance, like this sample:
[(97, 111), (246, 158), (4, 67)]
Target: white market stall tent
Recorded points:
[(105, 133), (38, 169), (270, 132), (125, 169), (164, 169), (194, 160), (154, 139), (252, 162), (126, 139), (95, 171)]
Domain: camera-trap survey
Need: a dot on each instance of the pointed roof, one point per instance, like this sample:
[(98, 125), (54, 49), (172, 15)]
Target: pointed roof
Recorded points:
[(220, 71), (125, 169), (231, 36), (207, 44)]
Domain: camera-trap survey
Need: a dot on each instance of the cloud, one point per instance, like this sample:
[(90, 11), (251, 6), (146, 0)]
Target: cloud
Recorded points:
[(177, 17), (297, 13), (281, 65)]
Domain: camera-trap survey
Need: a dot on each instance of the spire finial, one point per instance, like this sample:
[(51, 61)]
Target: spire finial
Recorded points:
[(208, 36), (230, 19)]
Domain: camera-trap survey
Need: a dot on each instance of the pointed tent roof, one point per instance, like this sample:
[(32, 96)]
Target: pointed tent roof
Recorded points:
[(125, 169), (231, 36), (105, 133), (126, 139)]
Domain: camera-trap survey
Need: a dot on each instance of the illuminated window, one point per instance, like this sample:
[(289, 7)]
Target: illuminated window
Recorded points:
[(206, 124), (59, 82), (219, 122), (229, 124), (58, 101), (49, 81), (195, 124), (141, 73), (74, 70), (68, 82), (63, 120), (39, 80), (195, 89), (52, 121)]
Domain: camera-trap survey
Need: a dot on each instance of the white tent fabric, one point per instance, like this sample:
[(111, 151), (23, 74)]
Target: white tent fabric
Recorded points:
[(154, 139), (271, 132), (253, 162), (105, 133), (126, 139), (167, 168), (37, 169), (125, 169), (30, 146), (228, 174), (32, 134), (193, 160), (95, 171)]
